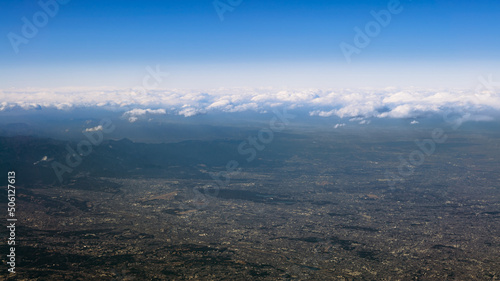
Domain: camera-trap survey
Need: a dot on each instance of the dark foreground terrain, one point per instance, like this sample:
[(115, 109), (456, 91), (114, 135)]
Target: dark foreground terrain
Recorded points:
[(310, 206)]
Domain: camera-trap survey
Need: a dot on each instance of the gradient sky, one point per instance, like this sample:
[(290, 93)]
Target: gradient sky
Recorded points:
[(280, 43)]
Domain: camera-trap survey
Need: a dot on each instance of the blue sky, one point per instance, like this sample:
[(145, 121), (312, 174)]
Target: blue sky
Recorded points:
[(259, 43)]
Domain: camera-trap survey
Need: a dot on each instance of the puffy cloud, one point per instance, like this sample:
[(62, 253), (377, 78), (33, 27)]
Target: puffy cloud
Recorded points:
[(44, 159), (95, 129), (218, 104), (139, 112), (339, 125), (322, 113), (346, 103), (188, 112), (134, 114)]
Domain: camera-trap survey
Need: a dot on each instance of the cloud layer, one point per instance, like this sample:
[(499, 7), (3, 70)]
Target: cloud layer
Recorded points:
[(362, 104)]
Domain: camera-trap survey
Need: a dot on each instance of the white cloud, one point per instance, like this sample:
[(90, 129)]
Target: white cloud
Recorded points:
[(134, 114), (140, 112), (322, 113), (188, 112), (44, 159), (414, 122), (218, 104), (95, 129), (339, 125), (358, 104)]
